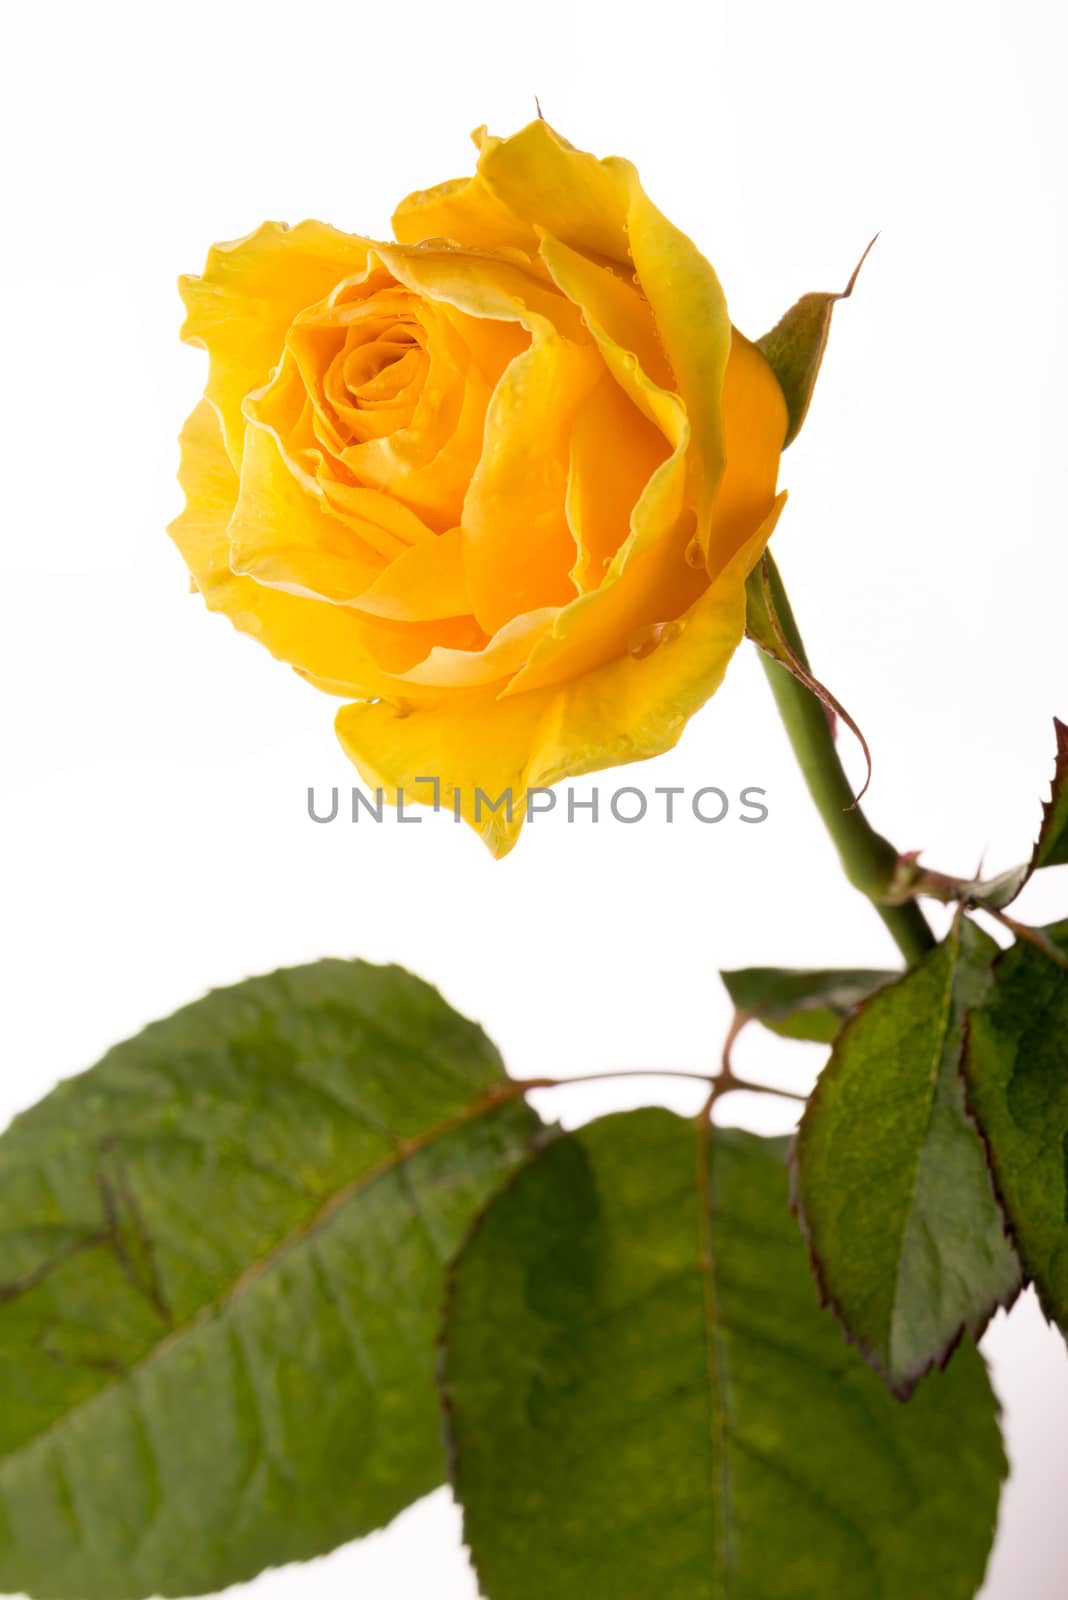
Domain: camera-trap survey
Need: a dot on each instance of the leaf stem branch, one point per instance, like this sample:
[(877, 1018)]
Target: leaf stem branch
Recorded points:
[(868, 859), (720, 1083), (1022, 930)]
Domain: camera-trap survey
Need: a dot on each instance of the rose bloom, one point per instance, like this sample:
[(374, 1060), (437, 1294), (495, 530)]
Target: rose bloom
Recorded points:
[(498, 484)]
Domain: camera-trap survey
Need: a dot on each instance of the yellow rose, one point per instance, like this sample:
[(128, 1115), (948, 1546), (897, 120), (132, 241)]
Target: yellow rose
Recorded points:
[(498, 483)]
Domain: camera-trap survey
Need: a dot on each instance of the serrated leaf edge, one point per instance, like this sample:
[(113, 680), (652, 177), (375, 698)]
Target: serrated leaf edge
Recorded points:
[(1060, 781), (1028, 1278), (904, 1387)]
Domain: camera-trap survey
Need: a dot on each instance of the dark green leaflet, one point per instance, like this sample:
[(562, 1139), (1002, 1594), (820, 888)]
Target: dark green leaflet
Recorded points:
[(222, 1254), (645, 1398)]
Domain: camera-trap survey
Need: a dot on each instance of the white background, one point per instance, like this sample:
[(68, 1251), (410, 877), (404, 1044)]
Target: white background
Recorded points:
[(155, 834)]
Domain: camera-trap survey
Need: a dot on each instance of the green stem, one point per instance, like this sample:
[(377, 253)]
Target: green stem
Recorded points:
[(868, 859)]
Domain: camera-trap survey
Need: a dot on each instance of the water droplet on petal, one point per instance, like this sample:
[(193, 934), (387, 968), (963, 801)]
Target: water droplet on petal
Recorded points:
[(644, 641), (695, 555)]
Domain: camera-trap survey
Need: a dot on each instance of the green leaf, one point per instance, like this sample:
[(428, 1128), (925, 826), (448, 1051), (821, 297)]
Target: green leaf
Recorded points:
[(1016, 1070), (891, 1177), (646, 1401), (794, 348), (1052, 847), (802, 1002), (222, 1257)]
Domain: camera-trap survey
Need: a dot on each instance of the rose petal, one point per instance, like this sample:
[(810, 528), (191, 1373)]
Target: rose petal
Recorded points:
[(246, 298), (326, 642), (648, 582), (626, 711), (648, 579), (428, 463), (283, 534), (425, 583), (464, 209), (614, 451), (545, 181), (695, 330), (518, 547), (621, 326), (754, 421), (600, 208), (481, 284), (493, 663)]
